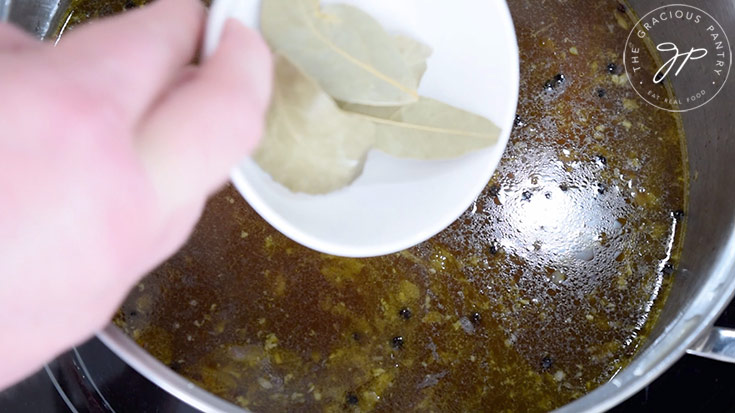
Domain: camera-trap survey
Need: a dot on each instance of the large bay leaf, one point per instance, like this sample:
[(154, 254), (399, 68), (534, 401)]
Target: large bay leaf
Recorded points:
[(415, 54), (427, 129), (347, 51), (310, 145)]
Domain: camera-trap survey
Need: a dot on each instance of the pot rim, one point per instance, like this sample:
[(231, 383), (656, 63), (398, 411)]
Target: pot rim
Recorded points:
[(161, 375)]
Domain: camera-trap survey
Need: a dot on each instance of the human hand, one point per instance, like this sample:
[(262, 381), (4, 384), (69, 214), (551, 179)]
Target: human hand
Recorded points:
[(109, 145)]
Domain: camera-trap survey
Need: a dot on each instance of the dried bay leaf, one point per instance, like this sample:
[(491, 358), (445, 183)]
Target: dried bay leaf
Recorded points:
[(310, 145), (427, 129), (338, 52), (341, 47), (415, 54)]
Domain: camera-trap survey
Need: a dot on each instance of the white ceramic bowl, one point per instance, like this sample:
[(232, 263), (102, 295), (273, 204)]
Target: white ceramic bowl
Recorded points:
[(399, 203)]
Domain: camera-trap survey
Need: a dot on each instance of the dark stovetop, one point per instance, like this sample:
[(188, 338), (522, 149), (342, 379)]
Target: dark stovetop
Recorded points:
[(92, 379)]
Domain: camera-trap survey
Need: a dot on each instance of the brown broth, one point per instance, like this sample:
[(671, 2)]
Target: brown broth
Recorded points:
[(539, 293)]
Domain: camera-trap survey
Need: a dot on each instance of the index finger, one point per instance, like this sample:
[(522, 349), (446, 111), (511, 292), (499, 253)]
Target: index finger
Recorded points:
[(137, 55)]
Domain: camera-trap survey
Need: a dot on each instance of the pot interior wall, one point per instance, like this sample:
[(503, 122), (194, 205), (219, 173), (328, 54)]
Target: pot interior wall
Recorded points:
[(39, 17), (710, 136)]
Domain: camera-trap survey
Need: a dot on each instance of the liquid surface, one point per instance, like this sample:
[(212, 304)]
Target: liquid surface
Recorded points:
[(539, 293)]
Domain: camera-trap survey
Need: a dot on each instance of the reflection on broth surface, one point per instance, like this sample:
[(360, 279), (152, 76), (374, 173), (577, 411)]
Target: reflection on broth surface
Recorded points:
[(539, 293)]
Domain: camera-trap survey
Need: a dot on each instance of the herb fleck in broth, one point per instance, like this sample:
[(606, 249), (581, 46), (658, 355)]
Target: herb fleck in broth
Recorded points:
[(536, 295)]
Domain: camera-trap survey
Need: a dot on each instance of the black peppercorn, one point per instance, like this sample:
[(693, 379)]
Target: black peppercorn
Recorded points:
[(397, 342), (668, 269), (552, 83), (494, 190), (405, 313), (494, 247), (527, 195), (352, 399), (612, 68), (547, 362), (475, 317), (601, 92)]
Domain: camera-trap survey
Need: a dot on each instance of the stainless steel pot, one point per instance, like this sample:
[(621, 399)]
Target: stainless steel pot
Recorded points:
[(705, 283)]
